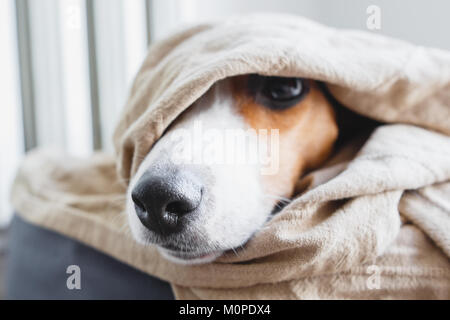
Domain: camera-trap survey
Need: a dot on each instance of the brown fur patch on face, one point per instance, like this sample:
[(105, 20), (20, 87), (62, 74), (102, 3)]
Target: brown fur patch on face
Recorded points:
[(307, 131)]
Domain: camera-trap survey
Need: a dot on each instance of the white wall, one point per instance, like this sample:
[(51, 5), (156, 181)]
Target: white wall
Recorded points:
[(418, 21)]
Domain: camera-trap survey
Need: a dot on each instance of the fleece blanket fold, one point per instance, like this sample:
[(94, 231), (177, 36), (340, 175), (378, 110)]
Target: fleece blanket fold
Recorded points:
[(374, 222)]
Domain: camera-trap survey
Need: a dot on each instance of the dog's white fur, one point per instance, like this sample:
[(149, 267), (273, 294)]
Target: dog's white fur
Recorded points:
[(234, 204)]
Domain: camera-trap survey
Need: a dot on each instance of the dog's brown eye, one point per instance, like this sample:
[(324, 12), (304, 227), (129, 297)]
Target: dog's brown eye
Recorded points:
[(277, 93)]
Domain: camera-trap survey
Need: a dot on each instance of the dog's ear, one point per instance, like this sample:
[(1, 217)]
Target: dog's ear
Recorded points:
[(350, 123)]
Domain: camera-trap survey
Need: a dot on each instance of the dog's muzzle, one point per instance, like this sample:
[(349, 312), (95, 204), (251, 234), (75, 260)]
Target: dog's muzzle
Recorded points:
[(166, 198)]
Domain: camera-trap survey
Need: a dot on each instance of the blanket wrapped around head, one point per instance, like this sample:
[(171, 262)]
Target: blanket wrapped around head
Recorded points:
[(374, 222)]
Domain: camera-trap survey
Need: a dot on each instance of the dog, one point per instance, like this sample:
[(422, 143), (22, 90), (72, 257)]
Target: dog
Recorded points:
[(195, 210)]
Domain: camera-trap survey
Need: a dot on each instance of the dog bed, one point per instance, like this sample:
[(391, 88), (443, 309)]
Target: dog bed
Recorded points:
[(372, 223)]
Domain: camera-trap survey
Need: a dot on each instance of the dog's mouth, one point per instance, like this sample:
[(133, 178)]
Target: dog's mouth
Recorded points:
[(187, 257), (196, 257)]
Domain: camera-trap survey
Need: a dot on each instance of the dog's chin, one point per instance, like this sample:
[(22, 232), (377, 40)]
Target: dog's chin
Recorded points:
[(188, 258)]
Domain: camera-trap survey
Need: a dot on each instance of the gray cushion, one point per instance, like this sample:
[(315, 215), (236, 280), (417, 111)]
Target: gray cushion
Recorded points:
[(38, 260)]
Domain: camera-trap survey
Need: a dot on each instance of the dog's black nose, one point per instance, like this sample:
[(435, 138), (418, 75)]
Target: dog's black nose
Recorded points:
[(163, 198)]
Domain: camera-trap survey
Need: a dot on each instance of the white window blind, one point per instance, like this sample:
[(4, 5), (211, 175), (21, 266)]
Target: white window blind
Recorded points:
[(75, 76), (11, 145), (118, 31), (66, 67)]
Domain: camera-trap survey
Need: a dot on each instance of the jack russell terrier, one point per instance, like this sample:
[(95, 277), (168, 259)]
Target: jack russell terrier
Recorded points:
[(194, 206)]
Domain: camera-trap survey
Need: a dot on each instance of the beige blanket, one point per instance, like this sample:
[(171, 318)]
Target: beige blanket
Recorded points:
[(373, 223)]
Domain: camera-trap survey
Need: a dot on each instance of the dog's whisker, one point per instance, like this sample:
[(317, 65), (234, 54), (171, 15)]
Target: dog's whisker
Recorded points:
[(235, 252), (272, 196)]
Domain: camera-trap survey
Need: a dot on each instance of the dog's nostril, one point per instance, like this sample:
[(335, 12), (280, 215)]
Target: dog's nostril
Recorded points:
[(163, 197), (181, 207), (137, 202)]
